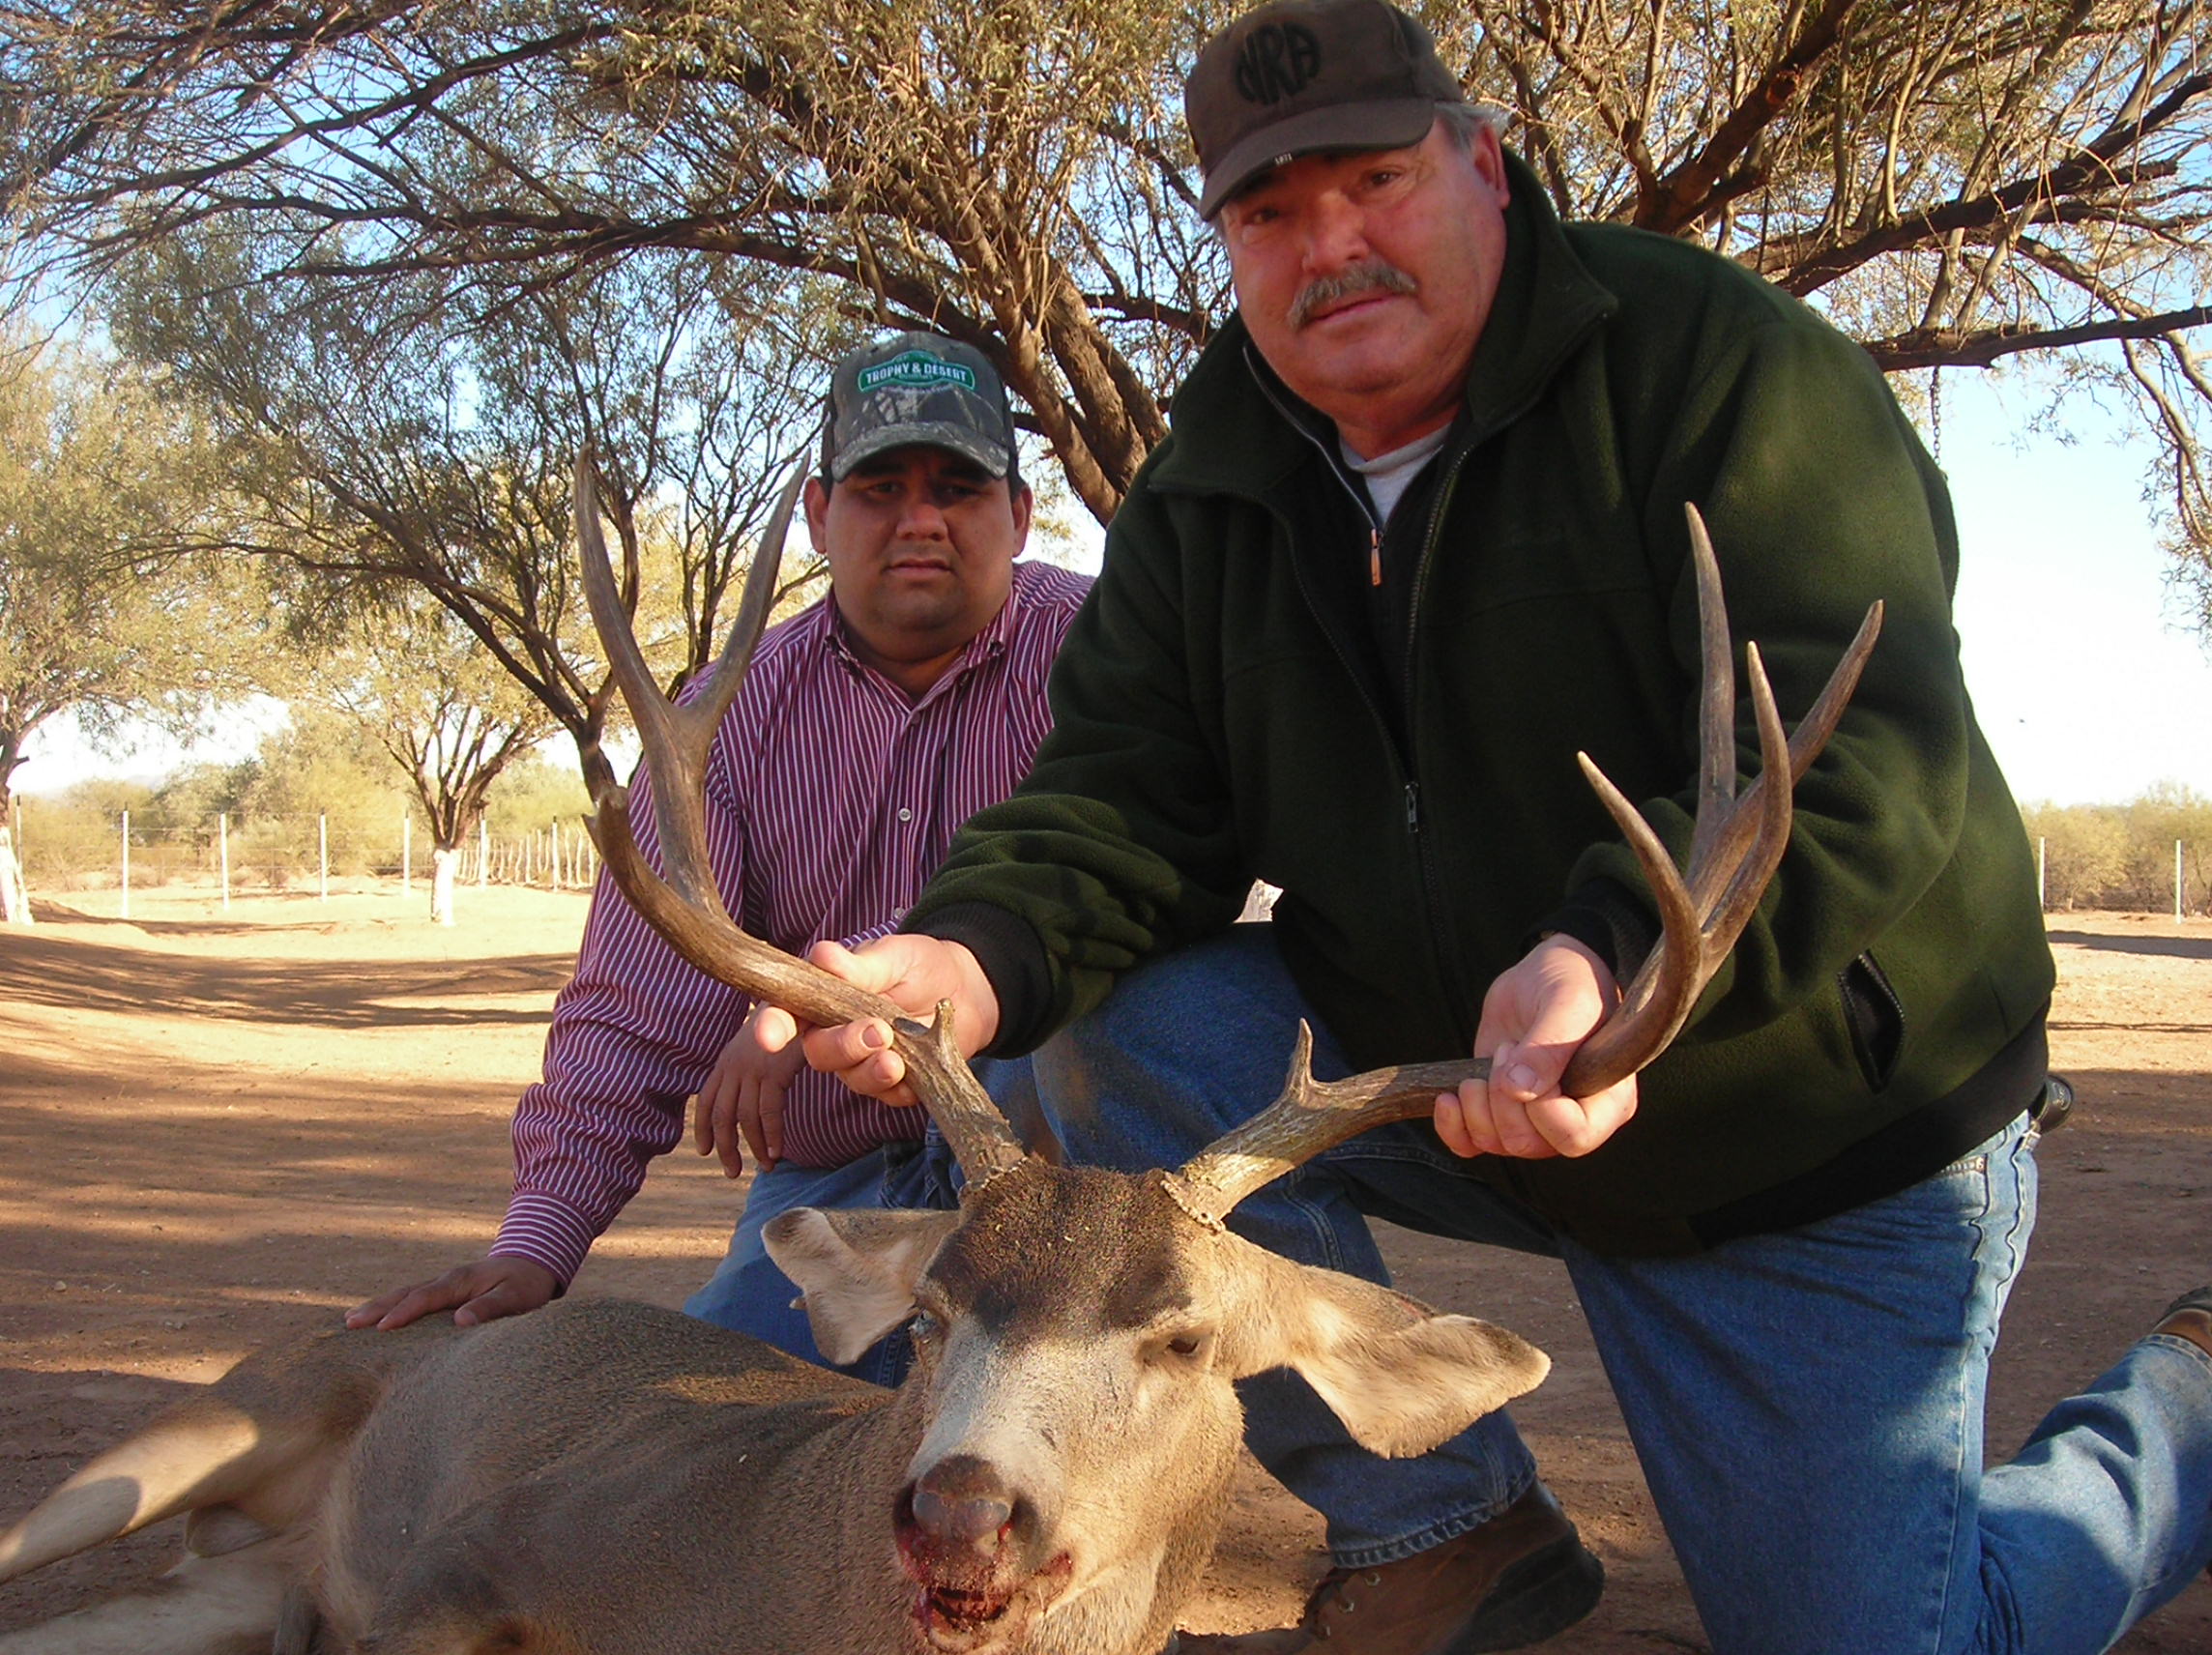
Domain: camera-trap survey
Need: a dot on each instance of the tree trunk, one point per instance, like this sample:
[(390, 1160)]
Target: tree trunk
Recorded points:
[(443, 860), (14, 900)]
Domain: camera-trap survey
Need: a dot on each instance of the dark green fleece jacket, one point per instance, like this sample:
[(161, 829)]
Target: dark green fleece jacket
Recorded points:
[(1232, 703)]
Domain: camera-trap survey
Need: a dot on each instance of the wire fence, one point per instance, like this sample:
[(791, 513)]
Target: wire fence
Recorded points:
[(62, 850), (2077, 871), (2090, 863)]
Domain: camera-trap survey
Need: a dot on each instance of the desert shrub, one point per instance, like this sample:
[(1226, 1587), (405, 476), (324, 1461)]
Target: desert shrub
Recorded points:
[(532, 796), (2121, 855), (75, 837), (318, 771)]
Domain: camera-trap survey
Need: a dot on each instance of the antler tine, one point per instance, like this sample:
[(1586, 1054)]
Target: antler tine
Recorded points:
[(1710, 906), (1812, 734), (1738, 820), (679, 737), (1769, 808), (1306, 1117), (1723, 820), (685, 907), (1734, 848), (1716, 712)]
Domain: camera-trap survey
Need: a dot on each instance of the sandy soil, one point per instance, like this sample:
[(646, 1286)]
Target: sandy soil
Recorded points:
[(218, 1127)]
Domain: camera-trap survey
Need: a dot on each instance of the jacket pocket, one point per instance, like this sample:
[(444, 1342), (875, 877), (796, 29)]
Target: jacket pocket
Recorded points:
[(1875, 1018)]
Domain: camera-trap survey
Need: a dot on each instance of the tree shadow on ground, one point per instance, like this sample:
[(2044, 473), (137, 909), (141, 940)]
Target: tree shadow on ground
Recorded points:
[(203, 1212), (336, 993), (46, 910), (2160, 947)]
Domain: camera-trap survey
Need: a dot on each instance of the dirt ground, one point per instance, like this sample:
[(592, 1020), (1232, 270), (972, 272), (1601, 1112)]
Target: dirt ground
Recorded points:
[(218, 1127)]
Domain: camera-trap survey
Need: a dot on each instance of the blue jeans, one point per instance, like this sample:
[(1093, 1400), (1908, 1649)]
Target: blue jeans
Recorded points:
[(748, 1295), (1807, 1406)]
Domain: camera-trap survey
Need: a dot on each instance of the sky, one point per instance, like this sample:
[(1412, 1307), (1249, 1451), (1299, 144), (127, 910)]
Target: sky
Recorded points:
[(2087, 688)]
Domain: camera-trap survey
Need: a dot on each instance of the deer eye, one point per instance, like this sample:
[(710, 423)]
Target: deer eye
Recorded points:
[(921, 1326), (1191, 1345)]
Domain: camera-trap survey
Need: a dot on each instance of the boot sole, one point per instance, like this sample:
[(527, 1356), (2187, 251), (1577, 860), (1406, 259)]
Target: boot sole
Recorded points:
[(1539, 1597)]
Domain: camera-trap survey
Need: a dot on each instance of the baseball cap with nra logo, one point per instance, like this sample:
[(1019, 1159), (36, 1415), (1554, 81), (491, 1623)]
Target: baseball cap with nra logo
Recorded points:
[(1299, 76), (917, 389)]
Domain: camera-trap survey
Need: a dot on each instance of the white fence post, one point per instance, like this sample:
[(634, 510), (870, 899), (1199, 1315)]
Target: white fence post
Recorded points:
[(406, 853), (127, 864), (223, 839), (2042, 862), (2177, 879), (323, 856), (484, 852)]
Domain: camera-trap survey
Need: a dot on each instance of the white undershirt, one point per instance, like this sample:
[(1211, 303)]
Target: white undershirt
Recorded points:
[(1388, 475)]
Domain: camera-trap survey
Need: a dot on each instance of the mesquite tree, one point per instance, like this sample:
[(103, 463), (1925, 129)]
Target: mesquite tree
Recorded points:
[(407, 434), (1956, 182), (417, 686), (96, 481)]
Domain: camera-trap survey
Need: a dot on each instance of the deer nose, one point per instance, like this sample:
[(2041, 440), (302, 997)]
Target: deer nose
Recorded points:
[(962, 1501)]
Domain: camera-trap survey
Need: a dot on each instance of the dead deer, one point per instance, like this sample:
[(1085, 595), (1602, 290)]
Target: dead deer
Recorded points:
[(615, 1479)]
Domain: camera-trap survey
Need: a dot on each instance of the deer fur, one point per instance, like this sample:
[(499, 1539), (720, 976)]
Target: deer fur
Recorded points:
[(605, 1478)]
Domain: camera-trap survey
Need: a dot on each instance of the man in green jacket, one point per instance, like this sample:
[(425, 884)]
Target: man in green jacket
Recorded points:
[(1416, 538)]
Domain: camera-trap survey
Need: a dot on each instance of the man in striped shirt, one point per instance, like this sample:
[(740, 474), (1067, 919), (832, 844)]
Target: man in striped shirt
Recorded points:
[(868, 728)]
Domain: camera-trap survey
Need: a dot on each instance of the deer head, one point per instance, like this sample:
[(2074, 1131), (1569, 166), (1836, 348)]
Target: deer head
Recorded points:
[(1077, 1331)]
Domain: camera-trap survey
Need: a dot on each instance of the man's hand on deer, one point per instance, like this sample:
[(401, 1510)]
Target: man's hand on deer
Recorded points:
[(1534, 1018), (741, 1101), (483, 1290), (917, 973)]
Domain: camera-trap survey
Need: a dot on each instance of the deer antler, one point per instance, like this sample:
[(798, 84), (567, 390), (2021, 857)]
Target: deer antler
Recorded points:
[(1734, 848), (686, 907)]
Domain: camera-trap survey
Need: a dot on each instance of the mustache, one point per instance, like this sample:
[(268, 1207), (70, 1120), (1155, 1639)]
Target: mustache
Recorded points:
[(1370, 275)]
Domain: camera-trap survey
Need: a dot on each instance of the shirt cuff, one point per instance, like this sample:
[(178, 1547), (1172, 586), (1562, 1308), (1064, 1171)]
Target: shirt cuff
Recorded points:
[(883, 929), (1015, 963), (1605, 917), (545, 1230)]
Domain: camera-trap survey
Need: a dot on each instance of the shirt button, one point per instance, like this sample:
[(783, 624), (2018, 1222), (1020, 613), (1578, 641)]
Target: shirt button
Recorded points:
[(905, 815)]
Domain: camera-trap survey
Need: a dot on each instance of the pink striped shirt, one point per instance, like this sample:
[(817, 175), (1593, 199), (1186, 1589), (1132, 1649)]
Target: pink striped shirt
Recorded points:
[(831, 800)]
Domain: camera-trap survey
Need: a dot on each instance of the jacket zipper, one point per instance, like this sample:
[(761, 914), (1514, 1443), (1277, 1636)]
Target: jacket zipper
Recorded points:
[(1440, 948), (1366, 507), (1449, 963), (1447, 951)]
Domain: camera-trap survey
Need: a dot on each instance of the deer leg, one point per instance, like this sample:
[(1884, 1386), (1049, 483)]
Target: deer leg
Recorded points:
[(226, 1605)]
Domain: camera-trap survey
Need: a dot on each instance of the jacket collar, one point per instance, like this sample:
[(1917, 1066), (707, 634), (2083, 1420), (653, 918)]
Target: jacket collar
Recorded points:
[(1231, 418)]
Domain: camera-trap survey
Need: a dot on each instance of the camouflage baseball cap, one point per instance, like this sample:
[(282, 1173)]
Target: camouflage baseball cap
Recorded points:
[(1299, 76), (916, 387)]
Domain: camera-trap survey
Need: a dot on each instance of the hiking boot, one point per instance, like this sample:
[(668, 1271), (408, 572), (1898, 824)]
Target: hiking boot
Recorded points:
[(2190, 1317), (1516, 1580)]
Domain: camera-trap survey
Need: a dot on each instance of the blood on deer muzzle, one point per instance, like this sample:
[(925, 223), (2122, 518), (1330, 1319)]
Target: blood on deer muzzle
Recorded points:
[(962, 1538)]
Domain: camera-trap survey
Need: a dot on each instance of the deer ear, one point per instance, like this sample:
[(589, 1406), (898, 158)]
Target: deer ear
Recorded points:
[(856, 1269), (1401, 1376)]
